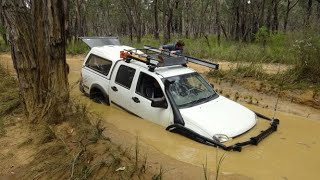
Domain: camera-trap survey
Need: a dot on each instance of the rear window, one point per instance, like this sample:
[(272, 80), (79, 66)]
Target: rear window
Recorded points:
[(125, 76), (99, 64)]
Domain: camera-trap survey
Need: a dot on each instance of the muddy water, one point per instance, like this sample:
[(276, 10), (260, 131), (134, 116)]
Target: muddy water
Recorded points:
[(290, 153)]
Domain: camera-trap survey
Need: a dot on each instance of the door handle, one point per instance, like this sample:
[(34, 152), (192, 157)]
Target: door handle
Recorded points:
[(136, 100), (114, 88)]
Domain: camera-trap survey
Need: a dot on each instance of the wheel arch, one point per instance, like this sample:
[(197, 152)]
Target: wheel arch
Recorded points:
[(97, 88)]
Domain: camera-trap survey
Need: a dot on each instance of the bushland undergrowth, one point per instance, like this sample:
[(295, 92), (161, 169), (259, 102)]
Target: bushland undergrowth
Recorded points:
[(74, 148), (299, 50)]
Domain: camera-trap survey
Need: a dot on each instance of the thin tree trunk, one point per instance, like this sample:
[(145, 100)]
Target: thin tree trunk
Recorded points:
[(218, 22), (275, 22), (269, 15), (309, 12), (288, 9), (286, 17), (37, 38), (237, 22), (187, 19), (168, 13), (224, 32), (261, 18), (156, 20)]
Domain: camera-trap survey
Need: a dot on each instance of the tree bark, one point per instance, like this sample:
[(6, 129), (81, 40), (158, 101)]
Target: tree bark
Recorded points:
[(37, 38)]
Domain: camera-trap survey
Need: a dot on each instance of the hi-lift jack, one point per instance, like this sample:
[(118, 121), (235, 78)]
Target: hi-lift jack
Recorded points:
[(154, 58)]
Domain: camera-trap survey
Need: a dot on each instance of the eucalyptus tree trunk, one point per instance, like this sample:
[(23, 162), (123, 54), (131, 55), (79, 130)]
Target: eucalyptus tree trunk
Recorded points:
[(167, 18), (217, 6), (290, 5), (156, 19), (37, 36), (275, 22), (309, 12)]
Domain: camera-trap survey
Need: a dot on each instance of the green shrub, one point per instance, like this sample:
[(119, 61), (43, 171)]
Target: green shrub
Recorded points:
[(307, 52), (77, 47)]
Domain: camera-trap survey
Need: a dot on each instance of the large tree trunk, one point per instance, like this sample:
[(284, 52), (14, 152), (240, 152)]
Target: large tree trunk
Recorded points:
[(37, 37)]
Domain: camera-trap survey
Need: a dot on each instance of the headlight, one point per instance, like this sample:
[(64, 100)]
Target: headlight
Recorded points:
[(221, 137)]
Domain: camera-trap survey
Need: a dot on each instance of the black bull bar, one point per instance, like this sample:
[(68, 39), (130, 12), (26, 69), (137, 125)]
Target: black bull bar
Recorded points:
[(180, 129)]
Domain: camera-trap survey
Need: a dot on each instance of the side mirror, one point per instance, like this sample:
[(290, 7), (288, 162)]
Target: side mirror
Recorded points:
[(159, 103)]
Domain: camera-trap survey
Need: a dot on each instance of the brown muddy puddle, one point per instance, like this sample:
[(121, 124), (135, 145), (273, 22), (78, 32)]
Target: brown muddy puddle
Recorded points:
[(290, 153)]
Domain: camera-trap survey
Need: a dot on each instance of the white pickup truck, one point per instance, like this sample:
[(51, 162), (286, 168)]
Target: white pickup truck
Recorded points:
[(158, 86)]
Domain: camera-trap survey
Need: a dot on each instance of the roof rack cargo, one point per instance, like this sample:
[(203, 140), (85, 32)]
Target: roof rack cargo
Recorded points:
[(187, 58), (154, 58)]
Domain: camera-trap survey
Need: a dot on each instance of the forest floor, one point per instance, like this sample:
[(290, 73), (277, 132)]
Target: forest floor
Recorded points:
[(22, 157)]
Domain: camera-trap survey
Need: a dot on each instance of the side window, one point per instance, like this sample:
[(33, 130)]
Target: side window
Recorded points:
[(99, 64), (125, 76), (148, 87)]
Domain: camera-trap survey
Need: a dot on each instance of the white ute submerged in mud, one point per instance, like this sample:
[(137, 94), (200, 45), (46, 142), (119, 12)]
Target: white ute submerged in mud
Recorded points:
[(158, 86)]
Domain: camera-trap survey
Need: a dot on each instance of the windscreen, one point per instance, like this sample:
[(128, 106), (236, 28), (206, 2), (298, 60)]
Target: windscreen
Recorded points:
[(190, 89)]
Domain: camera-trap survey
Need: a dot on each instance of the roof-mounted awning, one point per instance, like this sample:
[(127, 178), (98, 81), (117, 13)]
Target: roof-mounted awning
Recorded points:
[(100, 41)]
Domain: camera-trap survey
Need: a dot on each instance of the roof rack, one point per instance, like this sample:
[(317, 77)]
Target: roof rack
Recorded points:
[(187, 58), (154, 58), (151, 58)]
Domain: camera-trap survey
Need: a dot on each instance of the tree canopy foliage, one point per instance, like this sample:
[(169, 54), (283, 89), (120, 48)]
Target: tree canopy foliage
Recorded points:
[(235, 19)]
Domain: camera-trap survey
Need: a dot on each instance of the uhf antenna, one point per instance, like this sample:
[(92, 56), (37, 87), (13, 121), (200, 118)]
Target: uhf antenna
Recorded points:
[(276, 105)]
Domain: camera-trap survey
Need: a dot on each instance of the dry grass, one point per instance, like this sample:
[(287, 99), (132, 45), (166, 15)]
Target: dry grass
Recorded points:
[(78, 149), (75, 148), (9, 93), (9, 97)]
